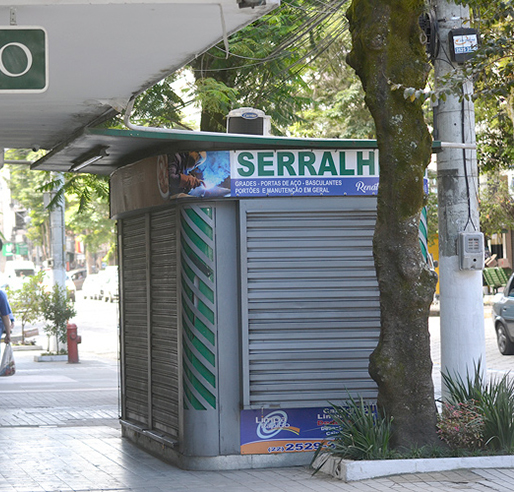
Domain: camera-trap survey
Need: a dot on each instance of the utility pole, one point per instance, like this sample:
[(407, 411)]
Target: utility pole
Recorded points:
[(461, 293), (57, 244), (57, 231)]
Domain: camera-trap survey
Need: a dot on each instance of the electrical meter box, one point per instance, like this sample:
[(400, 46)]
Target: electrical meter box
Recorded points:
[(471, 250), (463, 44)]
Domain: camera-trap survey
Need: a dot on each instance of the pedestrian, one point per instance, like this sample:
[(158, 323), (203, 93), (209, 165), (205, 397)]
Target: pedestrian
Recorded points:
[(7, 317)]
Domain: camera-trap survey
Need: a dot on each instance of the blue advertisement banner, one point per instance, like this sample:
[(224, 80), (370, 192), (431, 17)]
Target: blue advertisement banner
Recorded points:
[(286, 430), (284, 173), (244, 174)]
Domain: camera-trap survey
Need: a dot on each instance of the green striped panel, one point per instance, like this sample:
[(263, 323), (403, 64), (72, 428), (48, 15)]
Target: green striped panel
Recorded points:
[(198, 307)]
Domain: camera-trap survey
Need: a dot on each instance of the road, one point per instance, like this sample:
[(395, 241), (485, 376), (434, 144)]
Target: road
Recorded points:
[(97, 324)]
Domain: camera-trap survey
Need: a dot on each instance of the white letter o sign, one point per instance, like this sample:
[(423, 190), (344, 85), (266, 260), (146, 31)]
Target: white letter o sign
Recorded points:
[(28, 54)]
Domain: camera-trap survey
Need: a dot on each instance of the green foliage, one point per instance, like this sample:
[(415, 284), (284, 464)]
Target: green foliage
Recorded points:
[(496, 205), (86, 205), (494, 400), (336, 108), (24, 184), (495, 135), (27, 302), (265, 63), (498, 408), (57, 310), (361, 433)]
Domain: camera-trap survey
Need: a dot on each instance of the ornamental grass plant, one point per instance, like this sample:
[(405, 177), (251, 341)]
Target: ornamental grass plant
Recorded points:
[(359, 433), (477, 419)]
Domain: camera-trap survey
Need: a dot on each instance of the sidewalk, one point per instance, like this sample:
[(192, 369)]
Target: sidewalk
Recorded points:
[(60, 432)]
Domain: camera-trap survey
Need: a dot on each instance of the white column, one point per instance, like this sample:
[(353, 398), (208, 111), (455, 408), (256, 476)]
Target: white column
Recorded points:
[(461, 294)]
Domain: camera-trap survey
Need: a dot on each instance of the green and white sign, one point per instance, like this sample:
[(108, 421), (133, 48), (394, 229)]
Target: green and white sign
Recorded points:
[(23, 59)]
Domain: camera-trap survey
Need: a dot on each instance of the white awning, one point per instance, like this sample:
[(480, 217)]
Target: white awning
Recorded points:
[(102, 52)]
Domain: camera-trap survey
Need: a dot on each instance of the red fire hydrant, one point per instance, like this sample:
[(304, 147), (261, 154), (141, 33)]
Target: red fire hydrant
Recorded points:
[(73, 341)]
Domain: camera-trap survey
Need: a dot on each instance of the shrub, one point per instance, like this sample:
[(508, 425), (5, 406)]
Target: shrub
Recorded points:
[(27, 302), (461, 426), (57, 310), (494, 401)]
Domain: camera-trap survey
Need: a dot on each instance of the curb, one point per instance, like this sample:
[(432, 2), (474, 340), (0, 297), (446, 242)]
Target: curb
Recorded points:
[(349, 471), (50, 358)]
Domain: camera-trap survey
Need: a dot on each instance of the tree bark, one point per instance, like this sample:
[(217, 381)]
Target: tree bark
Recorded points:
[(388, 50)]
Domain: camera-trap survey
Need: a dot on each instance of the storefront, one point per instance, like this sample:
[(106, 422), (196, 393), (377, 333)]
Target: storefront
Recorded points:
[(248, 294)]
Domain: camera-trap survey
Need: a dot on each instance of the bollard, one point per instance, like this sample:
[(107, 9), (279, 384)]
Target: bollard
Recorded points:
[(73, 341)]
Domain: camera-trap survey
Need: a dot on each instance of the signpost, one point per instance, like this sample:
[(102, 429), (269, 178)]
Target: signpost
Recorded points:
[(23, 59)]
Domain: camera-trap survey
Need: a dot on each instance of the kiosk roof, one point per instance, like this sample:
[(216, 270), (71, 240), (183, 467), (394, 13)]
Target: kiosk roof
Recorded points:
[(108, 150)]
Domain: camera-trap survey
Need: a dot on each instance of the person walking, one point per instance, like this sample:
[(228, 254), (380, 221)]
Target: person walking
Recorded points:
[(7, 317)]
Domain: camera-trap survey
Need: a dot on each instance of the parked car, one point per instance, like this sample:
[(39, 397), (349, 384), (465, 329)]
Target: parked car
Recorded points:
[(109, 284), (91, 286), (503, 313), (15, 272), (78, 276)]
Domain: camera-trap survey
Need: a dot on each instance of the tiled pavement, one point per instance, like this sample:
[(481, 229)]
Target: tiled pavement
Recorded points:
[(59, 432)]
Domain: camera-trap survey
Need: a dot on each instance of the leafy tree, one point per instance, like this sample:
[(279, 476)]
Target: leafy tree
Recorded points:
[(495, 136), (496, 205), (264, 64), (27, 302), (387, 51), (336, 108), (87, 205), (24, 185), (57, 310)]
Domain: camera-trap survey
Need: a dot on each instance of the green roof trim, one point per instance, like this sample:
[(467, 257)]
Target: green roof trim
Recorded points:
[(230, 139), (124, 147)]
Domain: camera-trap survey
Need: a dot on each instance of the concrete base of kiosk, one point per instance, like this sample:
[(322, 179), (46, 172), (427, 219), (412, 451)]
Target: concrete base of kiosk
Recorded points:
[(167, 451)]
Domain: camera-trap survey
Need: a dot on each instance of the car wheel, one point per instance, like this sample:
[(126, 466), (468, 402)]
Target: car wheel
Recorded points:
[(505, 346)]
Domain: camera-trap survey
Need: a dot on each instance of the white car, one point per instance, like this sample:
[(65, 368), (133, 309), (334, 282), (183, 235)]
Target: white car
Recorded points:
[(91, 286), (16, 272), (109, 290)]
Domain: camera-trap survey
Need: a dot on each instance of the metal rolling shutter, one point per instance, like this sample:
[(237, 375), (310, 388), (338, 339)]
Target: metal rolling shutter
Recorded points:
[(133, 287), (163, 309), (310, 304), (148, 256)]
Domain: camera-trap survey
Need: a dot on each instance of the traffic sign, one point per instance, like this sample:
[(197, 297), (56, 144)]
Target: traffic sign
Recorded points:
[(23, 59)]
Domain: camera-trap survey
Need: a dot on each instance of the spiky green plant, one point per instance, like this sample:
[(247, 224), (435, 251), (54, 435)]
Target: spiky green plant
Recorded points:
[(361, 433)]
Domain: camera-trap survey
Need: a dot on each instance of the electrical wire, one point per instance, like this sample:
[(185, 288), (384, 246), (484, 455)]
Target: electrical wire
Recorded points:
[(292, 43), (464, 158)]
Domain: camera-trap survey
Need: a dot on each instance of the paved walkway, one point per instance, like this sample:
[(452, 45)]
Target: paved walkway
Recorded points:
[(59, 431)]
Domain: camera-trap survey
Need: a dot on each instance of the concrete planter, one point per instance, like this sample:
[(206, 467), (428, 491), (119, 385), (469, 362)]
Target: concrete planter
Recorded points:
[(50, 358), (349, 471)]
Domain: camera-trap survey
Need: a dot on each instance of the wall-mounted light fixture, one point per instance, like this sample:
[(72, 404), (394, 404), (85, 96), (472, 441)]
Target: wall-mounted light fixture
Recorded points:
[(90, 158), (250, 3)]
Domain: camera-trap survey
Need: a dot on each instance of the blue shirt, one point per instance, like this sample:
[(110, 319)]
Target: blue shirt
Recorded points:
[(5, 309)]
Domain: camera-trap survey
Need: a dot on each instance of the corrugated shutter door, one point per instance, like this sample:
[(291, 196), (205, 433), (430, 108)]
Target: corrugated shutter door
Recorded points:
[(148, 254), (311, 312), (134, 316), (164, 356)]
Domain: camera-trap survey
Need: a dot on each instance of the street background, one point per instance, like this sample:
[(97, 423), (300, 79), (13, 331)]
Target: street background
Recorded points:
[(59, 430)]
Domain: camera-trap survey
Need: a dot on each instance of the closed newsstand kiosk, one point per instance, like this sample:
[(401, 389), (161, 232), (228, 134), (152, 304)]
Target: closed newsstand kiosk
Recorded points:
[(247, 303)]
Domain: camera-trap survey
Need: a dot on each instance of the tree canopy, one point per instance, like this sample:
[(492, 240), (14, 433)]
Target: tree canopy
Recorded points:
[(86, 209)]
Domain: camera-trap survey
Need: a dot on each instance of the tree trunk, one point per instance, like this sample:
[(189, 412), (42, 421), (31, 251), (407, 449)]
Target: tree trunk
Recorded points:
[(387, 50)]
